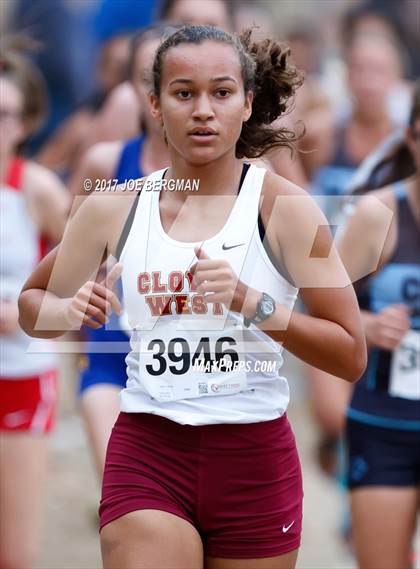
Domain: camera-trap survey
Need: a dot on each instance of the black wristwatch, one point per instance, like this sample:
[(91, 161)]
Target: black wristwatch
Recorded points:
[(266, 307)]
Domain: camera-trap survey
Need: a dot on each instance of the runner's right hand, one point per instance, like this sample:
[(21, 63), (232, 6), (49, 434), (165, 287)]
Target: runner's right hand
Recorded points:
[(387, 328), (94, 302)]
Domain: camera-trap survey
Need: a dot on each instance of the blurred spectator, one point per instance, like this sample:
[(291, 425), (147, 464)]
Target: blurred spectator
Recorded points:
[(378, 19), (64, 148), (338, 145), (67, 65), (33, 210), (396, 19), (66, 56)]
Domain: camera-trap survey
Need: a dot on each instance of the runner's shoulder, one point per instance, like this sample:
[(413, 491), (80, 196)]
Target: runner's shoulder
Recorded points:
[(289, 209), (285, 196), (102, 207), (276, 185)]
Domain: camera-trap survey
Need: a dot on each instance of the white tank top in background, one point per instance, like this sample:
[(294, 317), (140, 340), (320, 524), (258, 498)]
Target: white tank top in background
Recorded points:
[(20, 252), (156, 280)]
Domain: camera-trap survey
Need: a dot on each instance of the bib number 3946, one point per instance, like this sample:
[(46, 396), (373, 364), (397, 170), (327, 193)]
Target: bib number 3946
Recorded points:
[(173, 368), (405, 370), (178, 352)]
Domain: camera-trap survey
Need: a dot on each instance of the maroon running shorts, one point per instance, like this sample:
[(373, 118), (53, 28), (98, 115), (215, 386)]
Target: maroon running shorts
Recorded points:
[(240, 485)]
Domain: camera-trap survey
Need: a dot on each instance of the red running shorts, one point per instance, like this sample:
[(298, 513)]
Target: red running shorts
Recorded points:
[(28, 403), (240, 485)]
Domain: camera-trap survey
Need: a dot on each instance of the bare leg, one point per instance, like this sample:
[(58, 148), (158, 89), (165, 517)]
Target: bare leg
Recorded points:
[(23, 466), (384, 520), (100, 408), (151, 539), (286, 561)]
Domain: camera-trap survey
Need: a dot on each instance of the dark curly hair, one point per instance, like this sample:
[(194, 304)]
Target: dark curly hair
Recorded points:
[(266, 71)]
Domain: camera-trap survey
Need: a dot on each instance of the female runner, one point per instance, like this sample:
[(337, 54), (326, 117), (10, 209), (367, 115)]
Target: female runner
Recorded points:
[(342, 143), (374, 68), (383, 418), (206, 463), (33, 213), (104, 374)]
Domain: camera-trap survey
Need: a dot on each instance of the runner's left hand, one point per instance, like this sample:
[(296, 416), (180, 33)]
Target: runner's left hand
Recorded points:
[(217, 281)]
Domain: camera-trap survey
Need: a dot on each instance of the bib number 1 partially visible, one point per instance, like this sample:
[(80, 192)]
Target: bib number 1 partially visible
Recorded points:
[(405, 368)]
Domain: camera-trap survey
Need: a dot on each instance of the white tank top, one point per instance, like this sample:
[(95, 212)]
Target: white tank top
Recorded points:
[(20, 252), (172, 329)]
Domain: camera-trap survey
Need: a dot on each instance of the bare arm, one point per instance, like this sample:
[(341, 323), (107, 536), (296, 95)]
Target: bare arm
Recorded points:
[(32, 296), (363, 248), (330, 336), (61, 293)]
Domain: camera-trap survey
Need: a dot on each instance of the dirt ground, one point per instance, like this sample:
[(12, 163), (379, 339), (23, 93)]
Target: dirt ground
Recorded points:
[(71, 538)]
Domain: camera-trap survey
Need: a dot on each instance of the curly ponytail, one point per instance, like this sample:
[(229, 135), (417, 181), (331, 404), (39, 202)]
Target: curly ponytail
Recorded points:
[(276, 80), (266, 71)]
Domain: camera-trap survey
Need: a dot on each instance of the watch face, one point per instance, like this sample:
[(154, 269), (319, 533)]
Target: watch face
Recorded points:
[(266, 306)]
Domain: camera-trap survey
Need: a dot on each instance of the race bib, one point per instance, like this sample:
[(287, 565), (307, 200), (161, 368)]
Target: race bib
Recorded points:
[(405, 368), (178, 364)]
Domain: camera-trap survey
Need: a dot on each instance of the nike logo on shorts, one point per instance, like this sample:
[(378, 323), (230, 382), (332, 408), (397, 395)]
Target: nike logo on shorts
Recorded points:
[(286, 528), (227, 247)]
